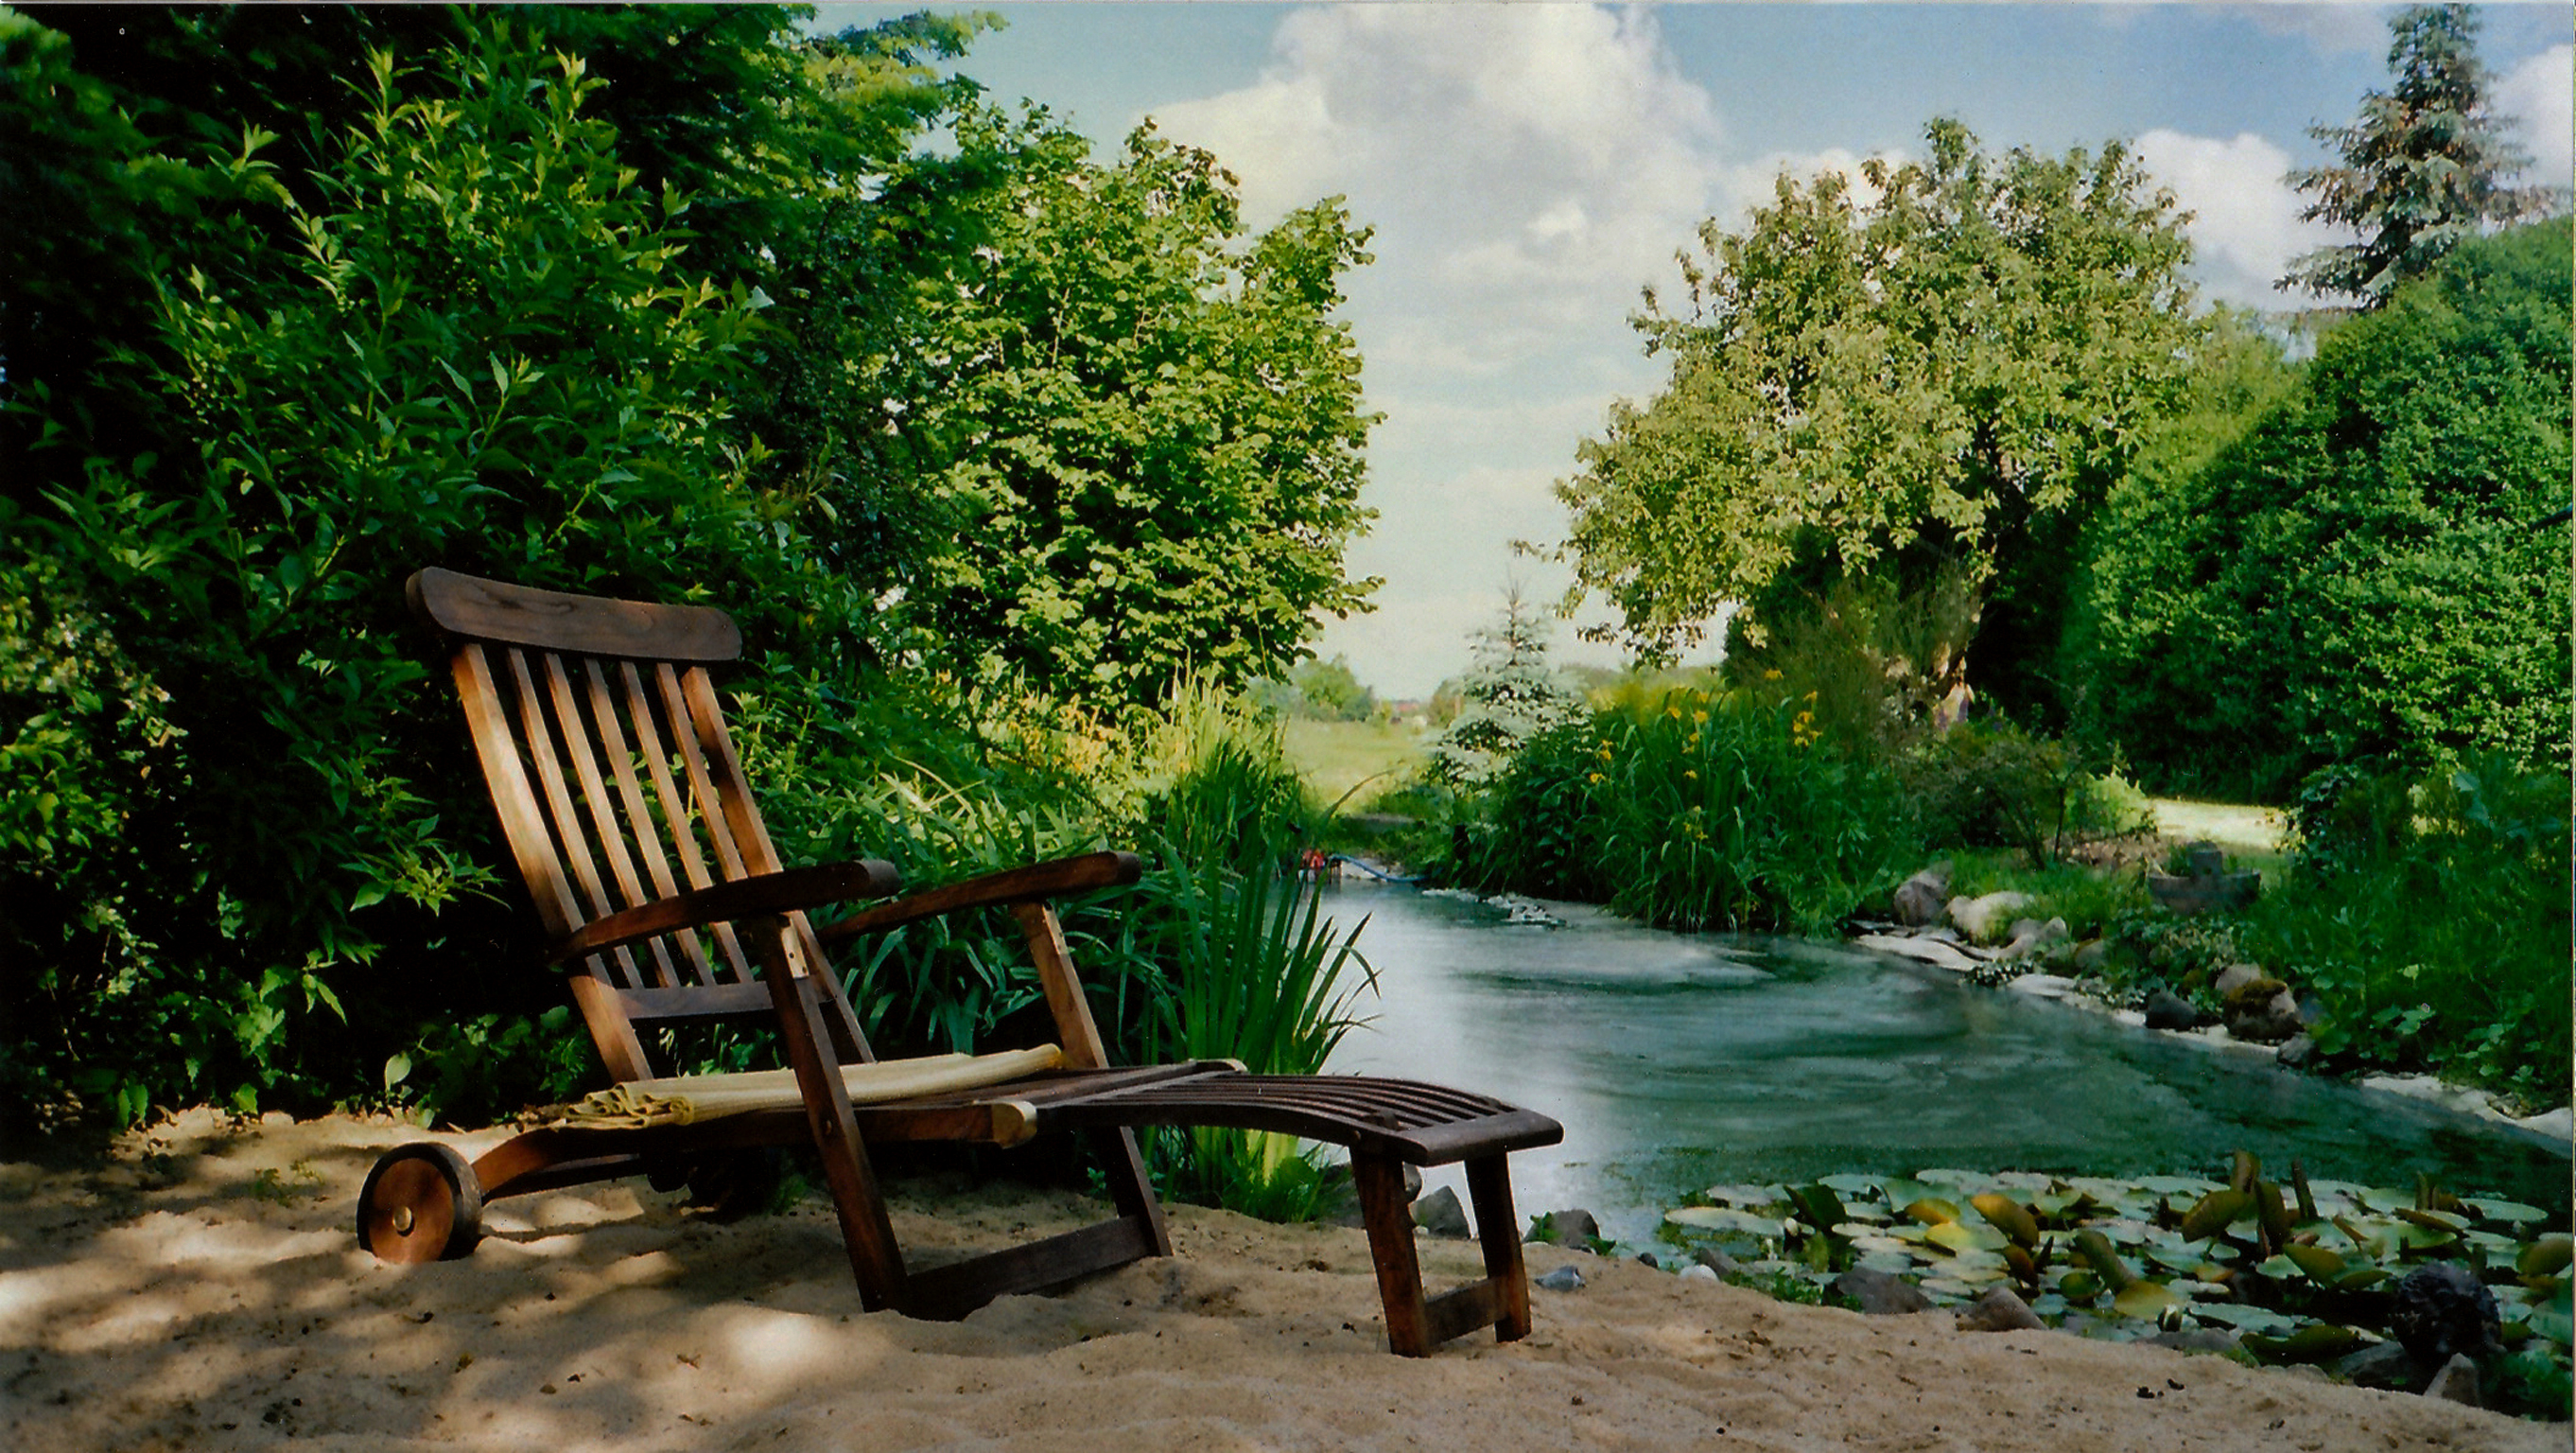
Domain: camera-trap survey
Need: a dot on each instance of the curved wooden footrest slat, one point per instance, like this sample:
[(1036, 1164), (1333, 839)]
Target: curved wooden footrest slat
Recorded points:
[(1413, 1122)]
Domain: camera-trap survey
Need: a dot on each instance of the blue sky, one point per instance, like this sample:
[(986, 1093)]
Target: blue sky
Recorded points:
[(1529, 167)]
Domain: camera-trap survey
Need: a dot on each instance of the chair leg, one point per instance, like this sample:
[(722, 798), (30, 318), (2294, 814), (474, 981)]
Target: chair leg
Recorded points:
[(1124, 1167), (875, 1258), (1489, 1187), (1379, 1180)]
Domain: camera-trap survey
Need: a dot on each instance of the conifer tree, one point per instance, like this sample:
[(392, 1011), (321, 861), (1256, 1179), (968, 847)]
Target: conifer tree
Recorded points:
[(1511, 695), (2425, 164)]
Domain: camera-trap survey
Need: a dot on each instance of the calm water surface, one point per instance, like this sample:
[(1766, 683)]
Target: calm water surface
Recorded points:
[(1679, 1061)]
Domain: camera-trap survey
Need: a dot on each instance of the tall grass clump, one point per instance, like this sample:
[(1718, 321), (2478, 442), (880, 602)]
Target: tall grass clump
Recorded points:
[(1732, 811), (1242, 962), (2428, 912), (1694, 809)]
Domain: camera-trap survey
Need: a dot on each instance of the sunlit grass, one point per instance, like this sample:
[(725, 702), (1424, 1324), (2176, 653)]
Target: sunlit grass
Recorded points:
[(2252, 834), (1336, 756)]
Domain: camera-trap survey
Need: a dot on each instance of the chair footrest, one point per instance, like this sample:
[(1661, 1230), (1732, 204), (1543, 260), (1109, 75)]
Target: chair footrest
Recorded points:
[(1417, 1123)]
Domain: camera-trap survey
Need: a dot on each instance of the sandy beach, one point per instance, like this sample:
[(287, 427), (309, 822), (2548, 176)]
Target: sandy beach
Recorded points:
[(201, 1290)]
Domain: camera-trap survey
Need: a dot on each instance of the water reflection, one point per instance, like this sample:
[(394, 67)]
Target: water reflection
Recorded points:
[(1679, 1061)]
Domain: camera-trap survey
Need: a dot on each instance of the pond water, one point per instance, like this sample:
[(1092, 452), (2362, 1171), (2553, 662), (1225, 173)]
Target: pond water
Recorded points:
[(1681, 1061)]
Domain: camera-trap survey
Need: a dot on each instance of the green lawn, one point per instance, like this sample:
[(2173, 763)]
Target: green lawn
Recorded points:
[(2250, 833), (1335, 756)]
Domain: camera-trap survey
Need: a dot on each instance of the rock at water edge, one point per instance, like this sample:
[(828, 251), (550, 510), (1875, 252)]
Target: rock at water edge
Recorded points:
[(2000, 1311), (1717, 1262), (1983, 919), (1880, 1293), (1440, 1214), (2170, 1011), (1922, 899), (1576, 1229), (2457, 1382), (1563, 1279), (2387, 1366)]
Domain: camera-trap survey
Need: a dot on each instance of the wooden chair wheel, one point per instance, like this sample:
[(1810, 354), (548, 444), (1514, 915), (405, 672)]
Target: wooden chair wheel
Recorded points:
[(420, 1203)]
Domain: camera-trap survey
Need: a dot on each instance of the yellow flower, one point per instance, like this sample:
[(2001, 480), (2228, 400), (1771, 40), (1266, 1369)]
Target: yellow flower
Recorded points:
[(1690, 776), (1595, 777), (1771, 675), (1697, 717)]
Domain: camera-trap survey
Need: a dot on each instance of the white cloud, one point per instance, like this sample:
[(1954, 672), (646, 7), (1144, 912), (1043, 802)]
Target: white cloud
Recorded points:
[(2245, 227), (2541, 93), (1526, 164), (2329, 28)]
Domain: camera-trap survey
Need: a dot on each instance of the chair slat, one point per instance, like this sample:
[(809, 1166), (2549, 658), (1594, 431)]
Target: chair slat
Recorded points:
[(675, 811), (655, 964), (752, 834), (570, 841), (712, 810), (639, 815), (523, 823)]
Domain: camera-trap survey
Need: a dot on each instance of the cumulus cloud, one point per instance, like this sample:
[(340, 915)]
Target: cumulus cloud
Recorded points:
[(1528, 165), (2245, 227), (2541, 94)]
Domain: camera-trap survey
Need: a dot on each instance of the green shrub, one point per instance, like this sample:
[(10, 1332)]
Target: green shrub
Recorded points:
[(2361, 571), (1991, 783), (468, 339), (1694, 810), (2428, 913)]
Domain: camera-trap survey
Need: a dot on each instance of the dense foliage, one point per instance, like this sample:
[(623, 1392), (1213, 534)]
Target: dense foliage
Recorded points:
[(2426, 164), (2428, 913), (1946, 371), (1151, 435), (1693, 809), (2363, 570), (635, 301)]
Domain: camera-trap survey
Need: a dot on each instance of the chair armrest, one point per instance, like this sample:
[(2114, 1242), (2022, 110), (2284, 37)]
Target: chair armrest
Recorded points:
[(767, 894), (1031, 884)]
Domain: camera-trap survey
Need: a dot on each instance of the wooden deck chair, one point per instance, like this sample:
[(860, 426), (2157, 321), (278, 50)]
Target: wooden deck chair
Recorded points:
[(604, 745)]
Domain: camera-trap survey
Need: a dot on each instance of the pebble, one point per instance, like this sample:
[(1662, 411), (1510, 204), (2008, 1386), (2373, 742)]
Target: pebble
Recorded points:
[(1563, 1279)]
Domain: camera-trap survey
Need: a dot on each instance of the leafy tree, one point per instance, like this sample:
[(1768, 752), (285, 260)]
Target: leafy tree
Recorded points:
[(1148, 425), (2424, 164), (2364, 569), (1510, 696), (1331, 691), (1946, 371), (464, 336)]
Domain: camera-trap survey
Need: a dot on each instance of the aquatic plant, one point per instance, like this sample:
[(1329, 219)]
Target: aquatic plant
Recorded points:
[(2297, 1273)]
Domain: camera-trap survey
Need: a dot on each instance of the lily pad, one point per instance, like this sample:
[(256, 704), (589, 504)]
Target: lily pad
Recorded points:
[(2319, 1343), (2323, 1267), (1901, 1191), (1850, 1185), (1745, 1195), (1932, 1210), (1723, 1218), (2555, 1319), (1894, 1263), (2245, 1318), (2511, 1212), (2007, 1216), (2123, 1231), (2417, 1237), (2215, 1212), (1959, 1236), (2547, 1256), (2178, 1186), (2145, 1299)]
